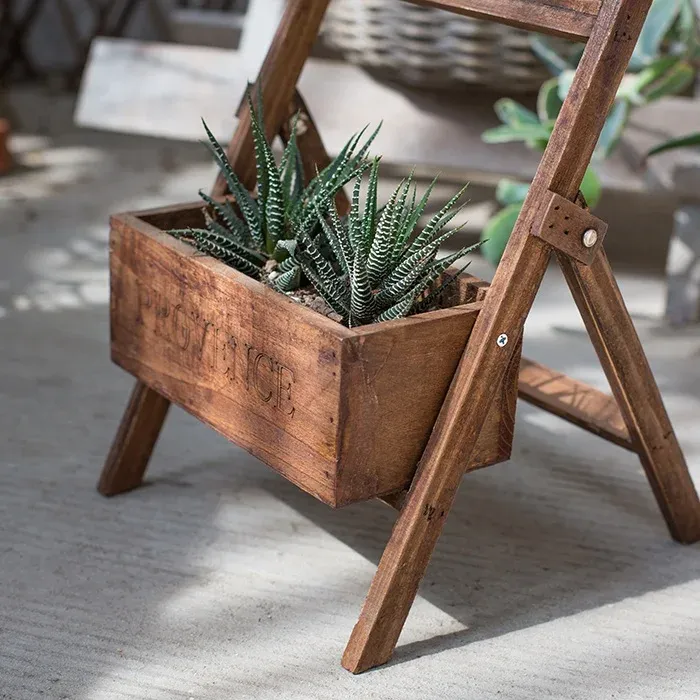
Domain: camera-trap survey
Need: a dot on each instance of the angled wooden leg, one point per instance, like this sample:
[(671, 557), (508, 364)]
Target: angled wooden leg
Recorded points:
[(134, 442), (621, 354), (417, 529)]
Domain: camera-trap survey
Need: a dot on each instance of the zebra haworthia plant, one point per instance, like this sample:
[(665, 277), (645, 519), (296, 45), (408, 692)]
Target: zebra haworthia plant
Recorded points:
[(248, 235), (379, 270), (367, 267)]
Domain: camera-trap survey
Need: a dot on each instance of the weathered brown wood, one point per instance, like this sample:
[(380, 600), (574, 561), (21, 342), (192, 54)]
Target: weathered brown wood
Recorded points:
[(632, 382), (574, 401), (301, 392), (485, 361), (278, 79), (564, 226), (573, 19), (134, 441)]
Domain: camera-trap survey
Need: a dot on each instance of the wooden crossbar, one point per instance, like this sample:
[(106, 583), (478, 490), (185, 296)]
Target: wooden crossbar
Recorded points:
[(574, 401), (573, 19)]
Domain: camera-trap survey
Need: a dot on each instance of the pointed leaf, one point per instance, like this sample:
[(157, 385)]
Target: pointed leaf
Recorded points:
[(689, 141), (543, 49), (497, 232), (514, 114), (399, 310)]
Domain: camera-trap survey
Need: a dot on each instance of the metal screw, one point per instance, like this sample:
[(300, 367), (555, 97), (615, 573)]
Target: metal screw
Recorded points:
[(590, 238), (502, 340)]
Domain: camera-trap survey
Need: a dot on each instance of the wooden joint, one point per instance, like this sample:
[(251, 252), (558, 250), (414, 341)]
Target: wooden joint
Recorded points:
[(571, 229)]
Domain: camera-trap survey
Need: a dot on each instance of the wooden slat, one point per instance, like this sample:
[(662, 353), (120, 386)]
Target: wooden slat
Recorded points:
[(574, 401), (573, 19)]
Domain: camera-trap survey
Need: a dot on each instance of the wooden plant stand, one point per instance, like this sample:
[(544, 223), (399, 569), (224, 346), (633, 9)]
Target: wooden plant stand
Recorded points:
[(554, 220)]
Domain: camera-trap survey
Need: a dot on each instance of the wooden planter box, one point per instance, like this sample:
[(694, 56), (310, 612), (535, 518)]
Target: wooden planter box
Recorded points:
[(343, 413)]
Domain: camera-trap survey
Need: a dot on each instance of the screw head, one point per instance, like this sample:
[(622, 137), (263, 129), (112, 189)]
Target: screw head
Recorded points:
[(590, 238), (502, 340)]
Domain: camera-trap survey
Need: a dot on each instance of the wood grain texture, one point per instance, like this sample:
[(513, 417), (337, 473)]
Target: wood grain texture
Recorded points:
[(563, 226), (574, 401), (278, 79), (344, 414), (484, 362), (632, 382), (573, 19), (134, 442)]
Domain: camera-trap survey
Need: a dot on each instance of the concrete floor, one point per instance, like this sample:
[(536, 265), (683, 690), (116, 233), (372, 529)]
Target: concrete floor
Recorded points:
[(555, 577)]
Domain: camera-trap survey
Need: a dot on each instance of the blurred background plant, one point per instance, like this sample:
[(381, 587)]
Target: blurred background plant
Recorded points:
[(665, 62), (689, 141)]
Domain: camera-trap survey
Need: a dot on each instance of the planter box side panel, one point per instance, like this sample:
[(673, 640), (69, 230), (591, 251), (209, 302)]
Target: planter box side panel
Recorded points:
[(395, 379), (394, 383), (228, 350)]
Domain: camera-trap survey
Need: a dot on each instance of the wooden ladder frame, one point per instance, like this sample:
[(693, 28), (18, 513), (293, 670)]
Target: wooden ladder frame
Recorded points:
[(634, 417)]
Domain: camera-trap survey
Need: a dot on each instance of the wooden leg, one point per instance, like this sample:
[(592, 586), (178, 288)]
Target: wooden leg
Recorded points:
[(621, 354), (400, 570), (418, 527), (134, 441)]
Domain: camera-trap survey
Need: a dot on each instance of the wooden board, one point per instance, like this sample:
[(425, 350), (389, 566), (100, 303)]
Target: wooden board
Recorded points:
[(572, 19), (574, 401), (320, 403)]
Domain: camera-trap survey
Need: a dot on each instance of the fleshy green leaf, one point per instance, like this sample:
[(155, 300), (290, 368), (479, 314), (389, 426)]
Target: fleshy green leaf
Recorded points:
[(436, 223), (660, 19), (549, 103), (511, 192), (497, 232), (288, 280), (614, 126), (592, 188), (514, 114), (542, 48), (361, 297), (680, 76), (246, 203), (509, 134), (690, 141), (399, 310)]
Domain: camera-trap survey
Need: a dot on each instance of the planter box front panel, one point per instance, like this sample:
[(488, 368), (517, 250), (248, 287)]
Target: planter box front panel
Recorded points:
[(342, 413), (228, 350)]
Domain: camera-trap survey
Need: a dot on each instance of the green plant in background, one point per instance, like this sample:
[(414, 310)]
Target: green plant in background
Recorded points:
[(665, 62), (690, 141), (247, 235), (381, 268)]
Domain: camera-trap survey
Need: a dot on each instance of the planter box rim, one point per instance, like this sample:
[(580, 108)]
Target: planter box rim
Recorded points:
[(129, 218)]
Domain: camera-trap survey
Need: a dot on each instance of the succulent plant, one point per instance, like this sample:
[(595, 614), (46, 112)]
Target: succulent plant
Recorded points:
[(248, 233), (377, 269), (665, 62)]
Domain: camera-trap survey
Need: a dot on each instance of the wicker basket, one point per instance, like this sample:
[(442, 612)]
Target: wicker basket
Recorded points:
[(431, 48)]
